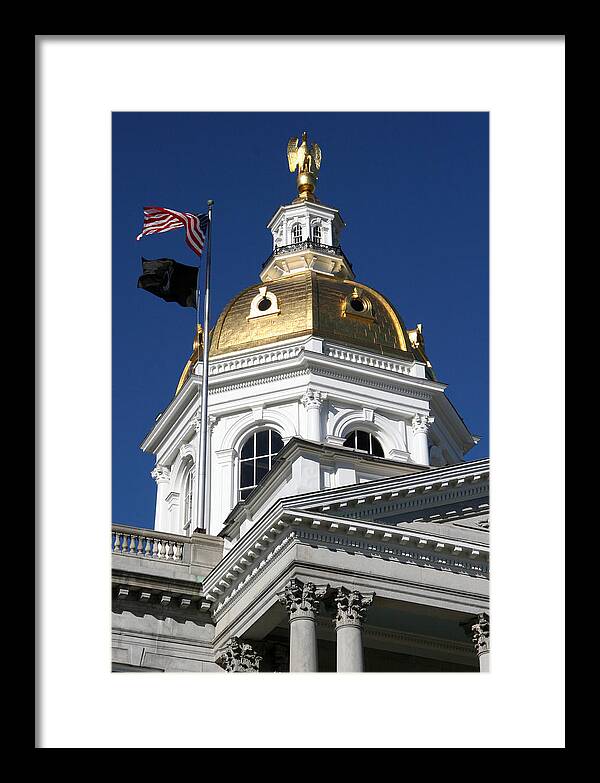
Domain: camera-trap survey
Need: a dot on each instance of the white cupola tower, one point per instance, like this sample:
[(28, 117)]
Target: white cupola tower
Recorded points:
[(314, 383), (306, 235)]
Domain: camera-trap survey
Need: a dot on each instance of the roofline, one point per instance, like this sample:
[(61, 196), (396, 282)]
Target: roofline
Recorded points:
[(421, 475), (295, 204)]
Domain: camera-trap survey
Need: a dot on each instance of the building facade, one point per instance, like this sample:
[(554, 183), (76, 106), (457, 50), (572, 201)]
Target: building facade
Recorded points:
[(346, 532)]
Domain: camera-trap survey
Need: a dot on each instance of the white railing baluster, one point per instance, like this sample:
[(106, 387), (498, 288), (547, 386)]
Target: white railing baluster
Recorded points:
[(138, 542)]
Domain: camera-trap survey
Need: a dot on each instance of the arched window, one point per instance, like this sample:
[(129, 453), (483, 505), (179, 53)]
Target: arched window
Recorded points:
[(256, 458), (316, 233), (296, 233), (364, 441), (188, 499)]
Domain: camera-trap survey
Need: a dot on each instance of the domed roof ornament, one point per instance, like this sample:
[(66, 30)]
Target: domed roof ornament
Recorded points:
[(307, 159)]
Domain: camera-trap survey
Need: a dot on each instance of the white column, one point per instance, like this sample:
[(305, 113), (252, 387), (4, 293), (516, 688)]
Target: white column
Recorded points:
[(162, 476), (312, 401), (302, 602), (478, 628), (351, 610), (420, 427)]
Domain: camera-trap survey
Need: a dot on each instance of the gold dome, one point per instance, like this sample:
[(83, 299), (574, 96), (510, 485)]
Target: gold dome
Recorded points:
[(309, 303)]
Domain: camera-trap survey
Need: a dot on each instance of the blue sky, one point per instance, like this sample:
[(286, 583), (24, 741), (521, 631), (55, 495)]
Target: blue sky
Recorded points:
[(411, 187)]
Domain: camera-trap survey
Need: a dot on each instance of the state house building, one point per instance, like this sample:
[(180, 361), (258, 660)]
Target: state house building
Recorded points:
[(347, 532)]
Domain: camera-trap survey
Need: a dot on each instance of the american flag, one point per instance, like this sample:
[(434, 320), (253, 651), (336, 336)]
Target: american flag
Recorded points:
[(157, 220)]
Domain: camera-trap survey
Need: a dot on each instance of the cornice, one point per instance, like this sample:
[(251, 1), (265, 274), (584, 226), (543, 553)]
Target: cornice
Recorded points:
[(255, 367), (314, 206), (167, 592), (249, 366), (268, 539), (432, 479), (417, 501), (443, 408)]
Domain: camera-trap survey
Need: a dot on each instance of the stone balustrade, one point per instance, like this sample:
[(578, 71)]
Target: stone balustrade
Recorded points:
[(378, 362), (140, 542)]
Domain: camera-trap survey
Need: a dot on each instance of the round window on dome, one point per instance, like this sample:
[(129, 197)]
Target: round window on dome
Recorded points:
[(264, 303), (357, 304)]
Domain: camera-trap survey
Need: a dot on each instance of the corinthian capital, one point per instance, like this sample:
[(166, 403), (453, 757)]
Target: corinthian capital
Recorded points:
[(161, 474), (312, 399), (478, 628), (238, 656), (421, 422), (301, 599), (351, 606)]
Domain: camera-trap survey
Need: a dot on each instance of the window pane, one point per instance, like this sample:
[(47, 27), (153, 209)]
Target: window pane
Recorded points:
[(262, 443), (245, 492), (350, 442), (362, 440), (376, 447), (248, 448), (276, 442), (247, 474), (262, 468)]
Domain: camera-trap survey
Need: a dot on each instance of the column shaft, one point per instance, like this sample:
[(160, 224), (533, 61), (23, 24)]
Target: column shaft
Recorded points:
[(313, 423), (303, 645), (349, 649), (421, 448), (420, 428), (484, 662)]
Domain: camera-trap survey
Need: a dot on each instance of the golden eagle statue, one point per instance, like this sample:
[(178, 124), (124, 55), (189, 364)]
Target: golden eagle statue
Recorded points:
[(308, 161)]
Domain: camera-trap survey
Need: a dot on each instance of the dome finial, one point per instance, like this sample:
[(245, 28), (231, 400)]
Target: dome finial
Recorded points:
[(308, 161)]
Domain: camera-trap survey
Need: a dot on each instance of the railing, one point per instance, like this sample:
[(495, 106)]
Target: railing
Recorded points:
[(139, 542), (356, 357), (308, 244)]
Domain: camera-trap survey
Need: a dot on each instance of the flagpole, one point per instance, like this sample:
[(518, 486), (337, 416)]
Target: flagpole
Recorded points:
[(202, 485)]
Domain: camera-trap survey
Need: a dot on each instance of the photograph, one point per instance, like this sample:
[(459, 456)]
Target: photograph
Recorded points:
[(300, 407)]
